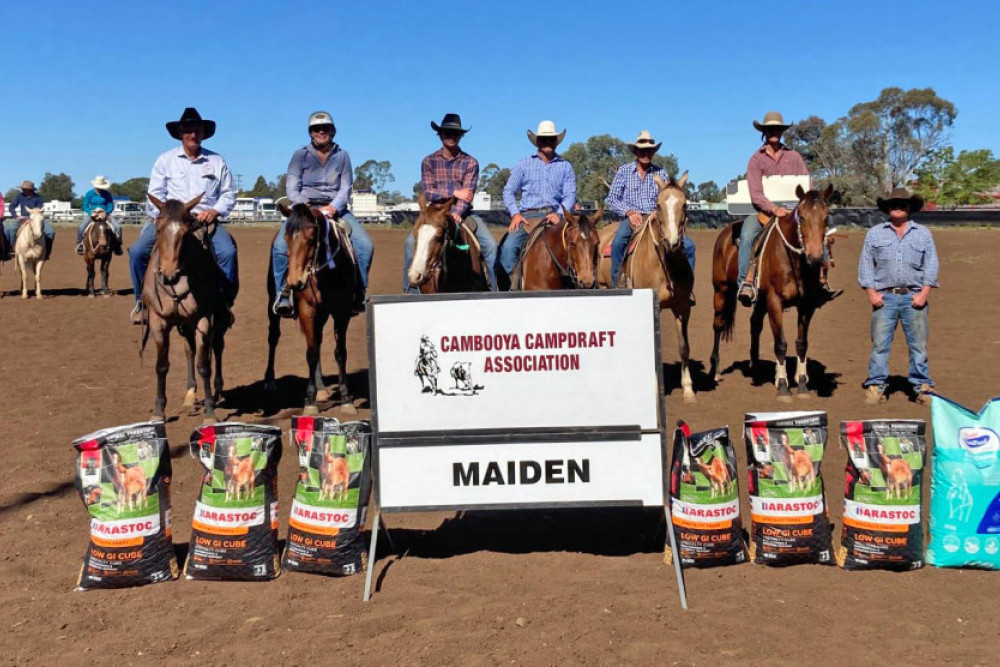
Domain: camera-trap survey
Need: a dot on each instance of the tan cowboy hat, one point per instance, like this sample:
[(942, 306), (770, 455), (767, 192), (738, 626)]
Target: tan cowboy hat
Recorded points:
[(27, 185), (546, 129), (644, 140), (100, 183), (914, 202), (191, 116), (772, 119)]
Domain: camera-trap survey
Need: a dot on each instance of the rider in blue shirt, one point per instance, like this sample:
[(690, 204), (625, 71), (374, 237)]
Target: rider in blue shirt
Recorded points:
[(26, 199), (98, 199)]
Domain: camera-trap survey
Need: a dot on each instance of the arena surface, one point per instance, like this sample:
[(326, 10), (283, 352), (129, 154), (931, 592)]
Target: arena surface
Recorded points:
[(538, 588)]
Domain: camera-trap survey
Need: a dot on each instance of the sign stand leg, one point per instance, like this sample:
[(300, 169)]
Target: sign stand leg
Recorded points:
[(681, 590), (371, 555), (385, 529)]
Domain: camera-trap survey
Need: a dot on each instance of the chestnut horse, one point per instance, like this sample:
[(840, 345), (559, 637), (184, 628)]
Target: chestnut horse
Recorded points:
[(181, 288), (564, 256), (658, 262), (446, 256), (319, 293), (97, 247), (789, 275)]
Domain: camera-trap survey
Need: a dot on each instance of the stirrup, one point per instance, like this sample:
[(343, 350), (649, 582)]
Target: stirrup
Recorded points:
[(283, 306), (79, 248), (138, 314), (747, 294)]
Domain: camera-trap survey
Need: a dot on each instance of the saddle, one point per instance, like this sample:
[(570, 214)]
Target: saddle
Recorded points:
[(535, 228)]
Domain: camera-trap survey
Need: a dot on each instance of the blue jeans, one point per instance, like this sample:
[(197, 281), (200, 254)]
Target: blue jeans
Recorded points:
[(10, 229), (487, 244), (751, 230), (619, 246), (223, 247), (898, 308), (363, 251), (115, 225)]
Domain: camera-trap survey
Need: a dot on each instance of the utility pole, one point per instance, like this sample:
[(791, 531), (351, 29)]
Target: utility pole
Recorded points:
[(239, 182)]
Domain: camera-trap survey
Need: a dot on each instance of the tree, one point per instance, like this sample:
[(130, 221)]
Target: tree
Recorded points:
[(805, 137), (390, 198), (56, 187), (280, 187), (596, 161), (956, 181), (709, 191), (418, 188), (492, 180), (134, 188), (372, 176), (9, 197), (261, 188)]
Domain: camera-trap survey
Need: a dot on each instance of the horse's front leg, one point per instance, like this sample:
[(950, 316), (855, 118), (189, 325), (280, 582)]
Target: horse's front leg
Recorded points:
[(203, 362), (90, 277), (774, 315), (340, 325), (160, 332), (801, 348), (191, 395), (24, 278), (38, 278), (718, 326), (105, 266), (218, 347), (681, 319), (756, 327), (313, 332)]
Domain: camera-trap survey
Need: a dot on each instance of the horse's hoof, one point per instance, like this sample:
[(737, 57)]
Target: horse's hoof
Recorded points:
[(310, 410), (690, 398), (189, 398), (24, 296), (784, 398), (38, 296), (90, 296), (324, 395), (107, 295), (348, 408), (803, 394)]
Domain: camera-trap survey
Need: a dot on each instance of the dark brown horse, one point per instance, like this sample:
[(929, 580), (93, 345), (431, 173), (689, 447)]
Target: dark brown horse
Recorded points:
[(97, 247), (446, 256), (564, 256), (319, 293), (181, 288), (789, 268)]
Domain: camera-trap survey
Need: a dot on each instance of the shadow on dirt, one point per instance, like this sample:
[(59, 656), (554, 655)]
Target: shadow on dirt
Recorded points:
[(289, 395), (822, 383)]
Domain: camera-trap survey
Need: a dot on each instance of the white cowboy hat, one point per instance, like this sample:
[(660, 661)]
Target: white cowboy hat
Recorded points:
[(772, 119), (546, 129), (644, 140), (100, 183)]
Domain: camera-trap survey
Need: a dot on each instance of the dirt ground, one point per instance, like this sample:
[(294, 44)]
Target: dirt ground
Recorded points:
[(540, 588)]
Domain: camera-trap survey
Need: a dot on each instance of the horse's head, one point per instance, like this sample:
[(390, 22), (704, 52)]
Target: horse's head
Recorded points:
[(100, 230), (429, 233), (304, 238), (36, 216), (671, 211), (172, 226), (583, 247), (812, 213)]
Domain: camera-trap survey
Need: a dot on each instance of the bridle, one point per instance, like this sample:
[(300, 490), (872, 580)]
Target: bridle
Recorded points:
[(568, 273), (437, 267), (313, 267), (193, 226)]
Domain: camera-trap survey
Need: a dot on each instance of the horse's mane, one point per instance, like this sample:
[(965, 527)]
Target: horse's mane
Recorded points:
[(302, 217), (172, 210)]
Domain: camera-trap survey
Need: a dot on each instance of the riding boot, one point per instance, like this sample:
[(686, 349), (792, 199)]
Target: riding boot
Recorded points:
[(116, 243), (748, 292), (138, 314), (79, 248), (48, 249), (828, 294), (283, 306)]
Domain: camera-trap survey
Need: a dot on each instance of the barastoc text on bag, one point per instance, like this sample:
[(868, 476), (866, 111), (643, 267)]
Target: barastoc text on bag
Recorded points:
[(882, 520), (705, 499), (234, 532), (789, 522), (123, 477), (331, 496), (965, 485)]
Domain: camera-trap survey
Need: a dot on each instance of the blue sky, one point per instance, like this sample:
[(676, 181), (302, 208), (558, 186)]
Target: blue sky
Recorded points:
[(89, 87)]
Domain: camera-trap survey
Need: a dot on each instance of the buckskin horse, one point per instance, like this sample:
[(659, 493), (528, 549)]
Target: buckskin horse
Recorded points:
[(181, 288), (446, 255), (564, 256), (319, 292), (788, 267), (97, 247), (657, 261)]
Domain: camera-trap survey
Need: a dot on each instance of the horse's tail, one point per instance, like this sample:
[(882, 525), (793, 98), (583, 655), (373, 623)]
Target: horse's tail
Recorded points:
[(728, 314)]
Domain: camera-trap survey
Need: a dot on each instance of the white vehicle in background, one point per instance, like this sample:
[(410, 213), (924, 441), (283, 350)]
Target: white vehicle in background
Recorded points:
[(244, 209), (267, 209), (129, 212)]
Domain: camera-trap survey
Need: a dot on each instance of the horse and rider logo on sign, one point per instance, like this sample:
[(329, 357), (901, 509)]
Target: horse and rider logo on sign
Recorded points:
[(427, 370)]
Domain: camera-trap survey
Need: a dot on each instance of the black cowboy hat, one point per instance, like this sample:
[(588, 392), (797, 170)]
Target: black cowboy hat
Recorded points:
[(191, 116), (913, 202), (451, 121)]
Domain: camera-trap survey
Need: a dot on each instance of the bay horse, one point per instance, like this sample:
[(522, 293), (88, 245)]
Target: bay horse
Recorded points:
[(788, 267), (565, 255), (319, 292), (29, 250), (97, 247), (446, 255), (181, 289), (658, 262)]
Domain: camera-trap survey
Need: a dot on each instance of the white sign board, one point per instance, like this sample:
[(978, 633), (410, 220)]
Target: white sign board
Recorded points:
[(517, 400)]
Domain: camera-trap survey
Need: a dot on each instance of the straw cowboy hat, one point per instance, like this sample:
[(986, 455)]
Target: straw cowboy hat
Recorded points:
[(913, 202), (546, 129), (27, 185), (451, 122), (772, 119), (100, 183), (191, 116), (644, 140)]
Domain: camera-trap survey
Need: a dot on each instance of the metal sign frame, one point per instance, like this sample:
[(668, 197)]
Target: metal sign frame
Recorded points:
[(621, 432)]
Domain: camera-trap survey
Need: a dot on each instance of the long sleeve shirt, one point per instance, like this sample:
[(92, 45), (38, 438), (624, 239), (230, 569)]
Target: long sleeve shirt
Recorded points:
[(308, 179), (786, 163), (95, 199), (441, 176), (176, 176), (541, 184), (888, 261), (631, 192), (22, 203)]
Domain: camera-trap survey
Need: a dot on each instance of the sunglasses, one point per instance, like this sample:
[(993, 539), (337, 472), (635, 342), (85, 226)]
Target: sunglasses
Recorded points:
[(546, 140), (321, 129)]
